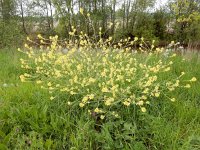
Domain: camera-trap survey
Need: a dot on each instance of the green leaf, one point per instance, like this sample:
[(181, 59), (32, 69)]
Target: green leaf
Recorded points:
[(3, 147), (2, 135), (48, 143)]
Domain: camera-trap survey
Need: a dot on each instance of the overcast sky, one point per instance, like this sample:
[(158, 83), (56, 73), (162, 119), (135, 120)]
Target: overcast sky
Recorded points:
[(158, 4), (161, 2)]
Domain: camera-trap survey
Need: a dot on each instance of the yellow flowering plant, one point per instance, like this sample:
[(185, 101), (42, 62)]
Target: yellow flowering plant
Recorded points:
[(104, 76)]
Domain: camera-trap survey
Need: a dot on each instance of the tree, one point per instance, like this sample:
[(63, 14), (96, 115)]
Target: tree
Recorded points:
[(8, 9), (186, 14)]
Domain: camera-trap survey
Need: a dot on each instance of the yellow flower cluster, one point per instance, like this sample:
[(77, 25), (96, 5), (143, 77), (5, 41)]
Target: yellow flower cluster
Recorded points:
[(104, 75)]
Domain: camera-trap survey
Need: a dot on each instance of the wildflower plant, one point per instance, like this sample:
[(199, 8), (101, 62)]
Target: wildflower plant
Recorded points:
[(100, 75)]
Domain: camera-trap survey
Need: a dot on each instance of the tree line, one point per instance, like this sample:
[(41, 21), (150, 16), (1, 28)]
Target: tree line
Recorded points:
[(176, 20)]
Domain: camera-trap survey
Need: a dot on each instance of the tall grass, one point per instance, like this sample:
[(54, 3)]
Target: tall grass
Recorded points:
[(29, 120)]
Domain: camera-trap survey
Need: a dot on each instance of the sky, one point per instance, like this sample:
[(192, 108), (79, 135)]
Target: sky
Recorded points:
[(158, 4), (161, 3)]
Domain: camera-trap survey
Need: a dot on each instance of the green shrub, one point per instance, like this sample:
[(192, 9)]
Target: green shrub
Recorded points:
[(11, 34)]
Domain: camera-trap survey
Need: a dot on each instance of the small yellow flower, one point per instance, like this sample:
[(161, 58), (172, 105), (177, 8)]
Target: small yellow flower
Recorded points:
[(174, 55), (116, 115), (157, 94), (110, 38), (22, 78), (49, 84), (91, 80), (102, 117), (107, 103), (136, 39), (103, 74), (182, 73), (173, 99), (88, 14), (57, 85), (19, 50), (72, 92), (143, 109), (69, 103), (105, 90), (97, 110), (172, 42), (81, 10), (147, 102), (146, 91), (144, 97), (52, 98), (71, 33), (89, 111), (91, 96), (28, 39), (167, 69), (85, 99), (188, 86), (39, 36), (140, 103), (26, 46), (81, 105), (79, 67), (126, 103), (38, 81), (194, 79), (110, 25)]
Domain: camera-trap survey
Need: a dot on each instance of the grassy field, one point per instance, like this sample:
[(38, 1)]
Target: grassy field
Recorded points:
[(29, 120)]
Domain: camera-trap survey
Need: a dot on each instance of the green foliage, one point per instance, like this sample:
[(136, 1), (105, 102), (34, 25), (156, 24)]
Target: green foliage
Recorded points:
[(10, 34), (7, 9), (29, 120), (160, 20), (62, 29), (145, 26), (187, 16)]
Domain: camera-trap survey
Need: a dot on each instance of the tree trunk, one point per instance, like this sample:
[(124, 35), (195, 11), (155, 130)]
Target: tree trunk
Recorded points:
[(113, 17), (47, 15), (51, 13), (124, 14), (22, 15), (127, 13)]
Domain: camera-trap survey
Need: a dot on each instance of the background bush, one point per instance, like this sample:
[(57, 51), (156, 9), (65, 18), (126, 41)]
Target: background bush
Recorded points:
[(11, 34)]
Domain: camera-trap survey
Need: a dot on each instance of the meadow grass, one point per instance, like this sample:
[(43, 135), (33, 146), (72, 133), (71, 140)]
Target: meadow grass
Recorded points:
[(29, 120)]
